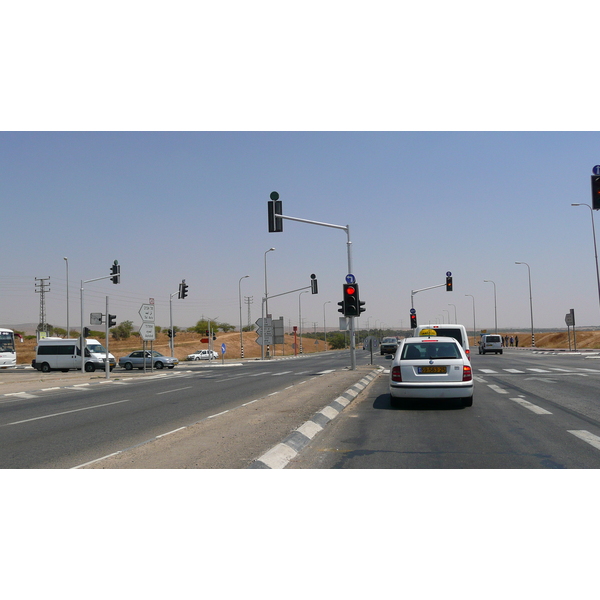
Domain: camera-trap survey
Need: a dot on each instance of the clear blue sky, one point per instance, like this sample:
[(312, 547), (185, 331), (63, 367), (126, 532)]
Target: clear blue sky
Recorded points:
[(156, 139), (194, 205)]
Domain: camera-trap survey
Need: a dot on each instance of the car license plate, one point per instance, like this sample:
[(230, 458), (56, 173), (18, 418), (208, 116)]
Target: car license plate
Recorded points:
[(432, 369)]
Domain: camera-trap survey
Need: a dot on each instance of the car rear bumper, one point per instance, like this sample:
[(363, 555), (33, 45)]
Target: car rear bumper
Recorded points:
[(417, 390)]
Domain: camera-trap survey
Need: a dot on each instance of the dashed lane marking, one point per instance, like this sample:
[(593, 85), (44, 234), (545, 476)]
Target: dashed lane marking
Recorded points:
[(586, 436), (532, 407)]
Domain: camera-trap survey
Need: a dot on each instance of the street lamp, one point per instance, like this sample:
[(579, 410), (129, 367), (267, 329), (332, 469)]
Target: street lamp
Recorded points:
[(495, 311), (67, 263), (240, 301), (266, 302), (595, 249), (474, 328), (324, 327), (455, 321), (530, 301)]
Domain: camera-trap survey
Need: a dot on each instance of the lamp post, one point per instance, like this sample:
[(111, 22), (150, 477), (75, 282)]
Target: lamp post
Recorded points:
[(300, 316), (266, 302), (474, 327), (595, 248), (495, 311), (530, 301), (67, 263), (455, 321), (324, 327), (240, 302)]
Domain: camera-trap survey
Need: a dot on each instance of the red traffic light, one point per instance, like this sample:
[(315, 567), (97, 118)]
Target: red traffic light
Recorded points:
[(350, 290)]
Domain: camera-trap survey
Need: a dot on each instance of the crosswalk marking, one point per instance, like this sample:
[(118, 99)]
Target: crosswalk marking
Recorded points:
[(514, 371), (586, 436)]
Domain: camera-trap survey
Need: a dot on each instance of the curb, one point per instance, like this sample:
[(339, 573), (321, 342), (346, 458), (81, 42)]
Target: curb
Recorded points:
[(280, 455)]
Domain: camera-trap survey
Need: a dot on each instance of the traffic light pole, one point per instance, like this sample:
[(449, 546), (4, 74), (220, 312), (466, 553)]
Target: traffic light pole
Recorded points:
[(345, 228), (413, 292), (171, 344)]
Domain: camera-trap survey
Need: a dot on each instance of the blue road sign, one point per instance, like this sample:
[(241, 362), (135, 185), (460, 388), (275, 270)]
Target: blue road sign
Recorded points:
[(448, 274), (222, 348), (412, 311), (596, 170), (350, 278)]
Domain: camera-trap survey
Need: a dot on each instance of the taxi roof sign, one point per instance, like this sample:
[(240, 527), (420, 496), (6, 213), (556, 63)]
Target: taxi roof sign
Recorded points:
[(428, 332)]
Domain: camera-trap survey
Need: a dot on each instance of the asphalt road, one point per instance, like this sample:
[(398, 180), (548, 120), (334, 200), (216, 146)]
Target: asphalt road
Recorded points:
[(71, 424), (530, 411)]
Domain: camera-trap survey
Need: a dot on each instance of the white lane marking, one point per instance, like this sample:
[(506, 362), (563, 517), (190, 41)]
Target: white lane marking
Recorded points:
[(259, 374), (513, 370), (49, 389), (539, 370), (480, 379), (589, 370), (488, 371), (67, 412), (251, 402), (177, 390), (217, 415), (532, 407), (586, 436), (282, 373), (22, 395), (325, 372), (170, 432), (497, 388)]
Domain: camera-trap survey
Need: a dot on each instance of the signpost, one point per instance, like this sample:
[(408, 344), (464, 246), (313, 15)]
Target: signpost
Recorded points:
[(147, 330)]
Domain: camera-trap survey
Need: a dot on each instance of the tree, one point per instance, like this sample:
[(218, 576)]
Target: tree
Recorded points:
[(122, 331)]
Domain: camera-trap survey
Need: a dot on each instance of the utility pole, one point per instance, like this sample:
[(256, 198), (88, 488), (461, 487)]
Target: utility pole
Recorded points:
[(41, 289)]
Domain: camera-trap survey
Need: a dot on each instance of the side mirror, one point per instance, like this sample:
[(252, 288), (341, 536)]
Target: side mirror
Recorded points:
[(389, 356)]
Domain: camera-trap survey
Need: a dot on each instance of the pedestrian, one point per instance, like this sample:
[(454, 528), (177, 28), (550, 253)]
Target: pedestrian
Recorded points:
[(512, 340), (517, 341), (506, 341)]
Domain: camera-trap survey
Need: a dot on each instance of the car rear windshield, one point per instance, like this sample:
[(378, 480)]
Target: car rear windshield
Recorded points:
[(450, 332), (493, 338), (424, 350)]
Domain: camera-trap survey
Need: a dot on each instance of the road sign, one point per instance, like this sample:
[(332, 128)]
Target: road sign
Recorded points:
[(95, 318), (147, 313), (223, 348), (413, 311), (448, 274), (350, 279), (148, 332), (596, 170), (204, 340)]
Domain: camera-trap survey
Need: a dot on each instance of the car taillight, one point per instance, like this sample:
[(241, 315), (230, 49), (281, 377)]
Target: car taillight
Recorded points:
[(468, 353), (396, 374), (467, 375)]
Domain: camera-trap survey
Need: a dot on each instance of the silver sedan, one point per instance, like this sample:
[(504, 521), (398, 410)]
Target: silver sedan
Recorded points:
[(135, 360)]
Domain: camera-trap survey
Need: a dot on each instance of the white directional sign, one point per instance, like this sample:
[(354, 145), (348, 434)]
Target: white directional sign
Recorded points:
[(148, 332), (147, 313)]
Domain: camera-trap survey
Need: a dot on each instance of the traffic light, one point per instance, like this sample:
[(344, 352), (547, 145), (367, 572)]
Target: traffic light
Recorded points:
[(413, 320), (183, 287), (448, 284), (86, 332), (351, 300), (112, 320), (313, 284), (360, 307), (342, 307), (596, 192), (170, 333), (275, 208), (115, 271)]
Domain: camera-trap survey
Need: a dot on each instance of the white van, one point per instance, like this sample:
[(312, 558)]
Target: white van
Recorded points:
[(458, 332), (58, 354), (490, 342)]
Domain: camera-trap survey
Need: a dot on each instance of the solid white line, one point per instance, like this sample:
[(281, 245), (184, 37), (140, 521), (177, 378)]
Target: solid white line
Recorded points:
[(274, 394), (177, 390), (49, 389), (91, 462), (251, 402), (586, 436), (532, 407), (67, 412)]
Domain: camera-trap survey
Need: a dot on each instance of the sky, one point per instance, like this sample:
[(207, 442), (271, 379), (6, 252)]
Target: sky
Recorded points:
[(193, 205), (439, 145)]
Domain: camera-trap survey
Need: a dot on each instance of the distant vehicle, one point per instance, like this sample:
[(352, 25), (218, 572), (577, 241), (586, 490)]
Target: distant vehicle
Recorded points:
[(63, 354), (431, 367), (203, 355), (135, 360), (388, 345), (458, 332), (8, 355), (490, 343)]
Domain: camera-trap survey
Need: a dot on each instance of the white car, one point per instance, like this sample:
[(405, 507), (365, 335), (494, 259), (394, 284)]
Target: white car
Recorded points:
[(431, 367), (203, 355)]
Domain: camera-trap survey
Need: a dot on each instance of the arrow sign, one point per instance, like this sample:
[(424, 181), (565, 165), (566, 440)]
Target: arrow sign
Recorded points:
[(148, 332), (147, 313)]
